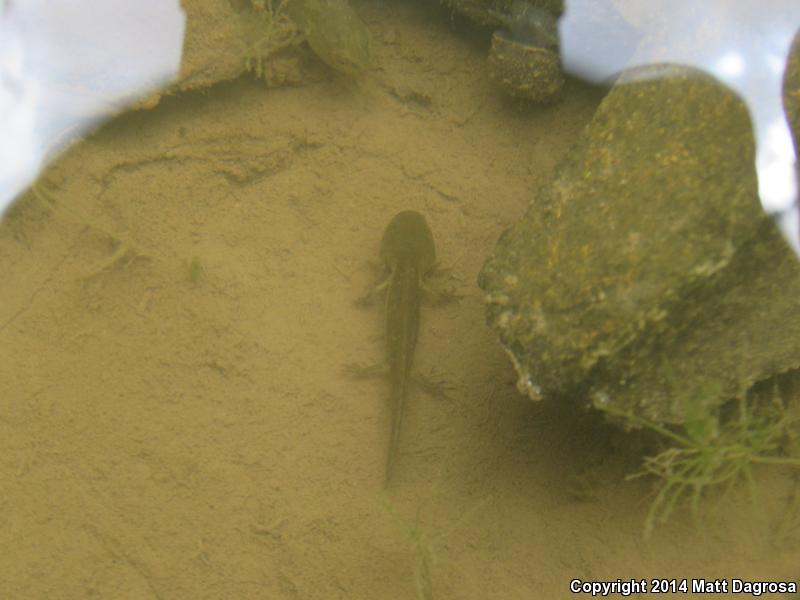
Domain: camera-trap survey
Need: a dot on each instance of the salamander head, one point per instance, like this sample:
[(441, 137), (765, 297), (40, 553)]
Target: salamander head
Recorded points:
[(408, 236)]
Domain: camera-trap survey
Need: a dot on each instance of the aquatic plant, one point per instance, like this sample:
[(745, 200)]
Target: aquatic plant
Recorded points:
[(421, 548), (273, 31), (196, 270), (421, 543), (711, 452), (786, 532), (123, 250)]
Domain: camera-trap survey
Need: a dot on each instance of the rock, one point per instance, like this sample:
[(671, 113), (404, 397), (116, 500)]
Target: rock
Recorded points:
[(334, 32), (485, 12), (523, 71), (647, 275), (226, 38), (523, 59)]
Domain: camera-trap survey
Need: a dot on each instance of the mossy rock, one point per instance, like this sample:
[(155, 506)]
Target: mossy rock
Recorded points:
[(647, 275)]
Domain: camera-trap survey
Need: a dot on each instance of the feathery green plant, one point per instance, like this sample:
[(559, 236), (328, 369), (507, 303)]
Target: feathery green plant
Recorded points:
[(421, 543), (274, 30), (710, 453)]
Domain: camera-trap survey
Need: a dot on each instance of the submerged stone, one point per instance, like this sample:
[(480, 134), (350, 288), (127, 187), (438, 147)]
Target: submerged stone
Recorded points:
[(646, 275), (334, 32)]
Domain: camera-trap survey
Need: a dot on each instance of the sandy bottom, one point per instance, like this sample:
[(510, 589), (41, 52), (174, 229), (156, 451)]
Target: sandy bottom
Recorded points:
[(176, 420)]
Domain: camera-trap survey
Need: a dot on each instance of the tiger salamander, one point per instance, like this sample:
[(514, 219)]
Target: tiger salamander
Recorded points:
[(408, 251)]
